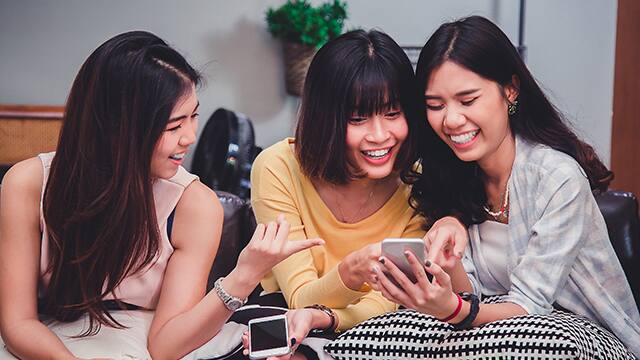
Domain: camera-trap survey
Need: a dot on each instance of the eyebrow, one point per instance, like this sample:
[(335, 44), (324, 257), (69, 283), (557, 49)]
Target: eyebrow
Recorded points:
[(178, 118), (458, 94)]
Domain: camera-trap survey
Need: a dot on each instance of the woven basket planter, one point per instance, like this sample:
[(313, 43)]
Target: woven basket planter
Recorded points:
[(297, 58)]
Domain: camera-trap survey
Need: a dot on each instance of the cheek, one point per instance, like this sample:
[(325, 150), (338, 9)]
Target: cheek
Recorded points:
[(159, 146), (434, 121), (401, 129), (353, 138)]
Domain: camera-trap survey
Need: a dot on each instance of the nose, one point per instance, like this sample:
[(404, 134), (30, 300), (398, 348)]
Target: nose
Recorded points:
[(189, 135), (378, 132), (453, 119)]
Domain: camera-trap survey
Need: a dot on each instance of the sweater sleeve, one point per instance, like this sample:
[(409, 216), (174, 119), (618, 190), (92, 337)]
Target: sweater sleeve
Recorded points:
[(297, 276)]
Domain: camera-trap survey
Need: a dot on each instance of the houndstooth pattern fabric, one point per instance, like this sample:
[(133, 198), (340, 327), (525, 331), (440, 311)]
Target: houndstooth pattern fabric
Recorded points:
[(408, 334)]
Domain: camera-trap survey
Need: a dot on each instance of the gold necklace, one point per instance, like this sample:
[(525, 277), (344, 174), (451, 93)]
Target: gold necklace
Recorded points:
[(337, 201)]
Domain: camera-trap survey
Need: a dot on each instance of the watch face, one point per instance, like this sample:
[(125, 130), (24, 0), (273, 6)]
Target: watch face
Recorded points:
[(234, 304)]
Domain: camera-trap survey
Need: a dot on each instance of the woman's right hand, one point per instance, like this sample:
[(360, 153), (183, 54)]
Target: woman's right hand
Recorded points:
[(269, 246), (360, 266)]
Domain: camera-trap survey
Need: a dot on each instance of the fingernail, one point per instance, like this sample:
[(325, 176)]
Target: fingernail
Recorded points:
[(459, 254), (374, 269), (427, 263), (381, 259), (406, 253), (375, 278), (293, 341)]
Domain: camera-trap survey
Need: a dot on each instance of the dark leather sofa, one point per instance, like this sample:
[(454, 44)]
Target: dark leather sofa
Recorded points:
[(620, 210)]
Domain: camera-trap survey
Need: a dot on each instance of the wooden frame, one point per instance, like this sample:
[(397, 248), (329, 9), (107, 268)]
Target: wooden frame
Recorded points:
[(27, 130)]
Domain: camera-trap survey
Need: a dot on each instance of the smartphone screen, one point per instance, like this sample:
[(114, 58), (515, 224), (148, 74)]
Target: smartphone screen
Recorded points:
[(268, 335)]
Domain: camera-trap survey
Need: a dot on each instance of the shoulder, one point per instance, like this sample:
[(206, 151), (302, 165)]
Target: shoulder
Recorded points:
[(279, 156), (24, 178), (198, 219), (199, 202), (276, 165), (542, 164)]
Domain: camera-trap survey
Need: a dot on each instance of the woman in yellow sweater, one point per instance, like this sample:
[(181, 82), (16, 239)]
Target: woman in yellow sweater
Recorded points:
[(339, 180)]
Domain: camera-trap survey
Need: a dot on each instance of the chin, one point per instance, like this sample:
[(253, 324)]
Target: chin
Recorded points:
[(166, 174), (378, 174), (467, 156)]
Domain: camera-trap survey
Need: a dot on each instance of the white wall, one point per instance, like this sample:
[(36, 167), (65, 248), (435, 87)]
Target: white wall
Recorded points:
[(570, 43)]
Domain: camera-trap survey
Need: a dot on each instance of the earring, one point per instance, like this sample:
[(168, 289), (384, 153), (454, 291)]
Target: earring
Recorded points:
[(512, 107)]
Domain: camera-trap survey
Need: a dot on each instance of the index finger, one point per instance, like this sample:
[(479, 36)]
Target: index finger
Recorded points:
[(437, 245), (294, 246), (460, 244)]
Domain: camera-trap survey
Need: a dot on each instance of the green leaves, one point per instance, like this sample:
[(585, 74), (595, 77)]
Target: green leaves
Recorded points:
[(300, 22)]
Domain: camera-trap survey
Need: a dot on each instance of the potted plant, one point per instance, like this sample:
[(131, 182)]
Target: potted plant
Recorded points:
[(303, 29)]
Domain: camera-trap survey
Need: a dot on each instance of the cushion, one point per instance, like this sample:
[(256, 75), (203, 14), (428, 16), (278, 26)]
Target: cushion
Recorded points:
[(407, 334)]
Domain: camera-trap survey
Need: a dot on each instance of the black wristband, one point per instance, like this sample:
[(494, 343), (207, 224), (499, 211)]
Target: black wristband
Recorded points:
[(467, 322)]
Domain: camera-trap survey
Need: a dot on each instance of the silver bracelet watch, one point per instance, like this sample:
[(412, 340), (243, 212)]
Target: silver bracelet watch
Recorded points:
[(231, 302)]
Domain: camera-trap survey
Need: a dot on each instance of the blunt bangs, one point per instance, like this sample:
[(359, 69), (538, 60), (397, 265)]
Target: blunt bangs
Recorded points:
[(374, 90)]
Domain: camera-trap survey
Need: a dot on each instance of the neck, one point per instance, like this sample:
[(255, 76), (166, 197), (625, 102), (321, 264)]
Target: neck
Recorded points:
[(497, 166)]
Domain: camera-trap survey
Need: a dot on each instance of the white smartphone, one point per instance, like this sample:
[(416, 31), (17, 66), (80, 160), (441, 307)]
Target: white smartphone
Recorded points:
[(393, 249), (268, 336)]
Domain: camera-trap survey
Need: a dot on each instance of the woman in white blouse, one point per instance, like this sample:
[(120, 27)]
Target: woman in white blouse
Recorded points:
[(498, 154)]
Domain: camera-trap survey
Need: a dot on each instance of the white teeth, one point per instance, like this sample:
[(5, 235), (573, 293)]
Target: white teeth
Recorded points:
[(463, 138), (177, 156), (377, 153)]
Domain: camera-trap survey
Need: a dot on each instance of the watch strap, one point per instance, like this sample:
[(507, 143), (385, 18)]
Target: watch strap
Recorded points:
[(231, 302), (334, 321), (467, 322)]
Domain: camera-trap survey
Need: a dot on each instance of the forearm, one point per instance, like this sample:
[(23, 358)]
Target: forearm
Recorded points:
[(459, 279), (31, 339), (373, 304), (303, 289), (489, 312), (191, 329)]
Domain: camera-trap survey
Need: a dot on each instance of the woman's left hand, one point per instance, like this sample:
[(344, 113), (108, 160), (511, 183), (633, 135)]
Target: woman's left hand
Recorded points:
[(434, 298), (446, 242), (300, 322)]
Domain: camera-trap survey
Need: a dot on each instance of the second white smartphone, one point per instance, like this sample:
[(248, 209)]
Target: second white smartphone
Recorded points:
[(268, 336), (394, 248)]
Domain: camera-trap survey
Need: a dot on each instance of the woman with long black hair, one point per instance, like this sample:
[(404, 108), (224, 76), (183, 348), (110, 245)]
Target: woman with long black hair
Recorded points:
[(106, 244)]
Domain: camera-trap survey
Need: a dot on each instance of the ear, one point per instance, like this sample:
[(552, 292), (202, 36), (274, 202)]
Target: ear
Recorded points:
[(512, 90)]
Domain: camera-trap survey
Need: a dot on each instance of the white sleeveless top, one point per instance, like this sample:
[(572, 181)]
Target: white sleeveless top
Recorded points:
[(143, 287)]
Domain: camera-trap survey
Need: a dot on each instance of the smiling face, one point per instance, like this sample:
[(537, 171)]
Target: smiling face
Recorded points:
[(373, 142), (469, 112), (179, 134)]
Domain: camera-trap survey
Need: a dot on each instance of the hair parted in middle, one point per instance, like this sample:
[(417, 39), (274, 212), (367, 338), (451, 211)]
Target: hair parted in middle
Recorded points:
[(358, 73)]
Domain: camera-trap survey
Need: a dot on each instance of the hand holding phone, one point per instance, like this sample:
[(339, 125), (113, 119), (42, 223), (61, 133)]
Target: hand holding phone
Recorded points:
[(268, 336), (393, 249)]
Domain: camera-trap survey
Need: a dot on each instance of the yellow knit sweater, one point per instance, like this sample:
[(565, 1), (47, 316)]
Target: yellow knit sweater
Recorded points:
[(311, 276)]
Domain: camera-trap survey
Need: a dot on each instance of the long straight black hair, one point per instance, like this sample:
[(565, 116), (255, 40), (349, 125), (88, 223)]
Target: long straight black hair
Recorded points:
[(450, 186), (98, 202)]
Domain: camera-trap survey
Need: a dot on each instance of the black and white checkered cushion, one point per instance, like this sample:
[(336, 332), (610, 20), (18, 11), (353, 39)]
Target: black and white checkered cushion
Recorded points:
[(407, 334)]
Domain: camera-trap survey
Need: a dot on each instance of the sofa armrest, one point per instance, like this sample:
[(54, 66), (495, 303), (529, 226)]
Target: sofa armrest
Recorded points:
[(620, 211)]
